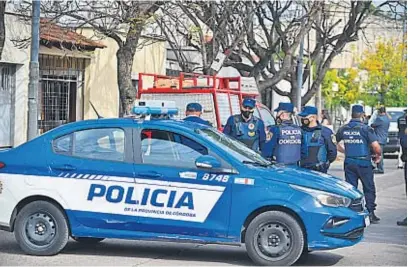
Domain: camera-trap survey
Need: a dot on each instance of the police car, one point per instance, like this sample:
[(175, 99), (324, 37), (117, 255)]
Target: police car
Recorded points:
[(163, 179)]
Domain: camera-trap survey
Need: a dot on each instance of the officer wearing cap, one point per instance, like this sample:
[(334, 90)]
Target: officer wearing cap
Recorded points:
[(285, 142), (358, 140), (247, 128), (193, 114), (320, 142)]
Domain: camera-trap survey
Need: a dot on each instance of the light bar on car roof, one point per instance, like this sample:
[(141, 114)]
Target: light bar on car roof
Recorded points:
[(155, 107)]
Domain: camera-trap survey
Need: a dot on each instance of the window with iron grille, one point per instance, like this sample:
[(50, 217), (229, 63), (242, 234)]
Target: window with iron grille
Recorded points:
[(61, 79)]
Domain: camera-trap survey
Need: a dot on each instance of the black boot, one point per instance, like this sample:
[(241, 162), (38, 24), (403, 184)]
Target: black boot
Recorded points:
[(402, 223), (373, 218)]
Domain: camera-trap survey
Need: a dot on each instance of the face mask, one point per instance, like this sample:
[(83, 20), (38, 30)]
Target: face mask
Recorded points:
[(305, 122), (247, 113)]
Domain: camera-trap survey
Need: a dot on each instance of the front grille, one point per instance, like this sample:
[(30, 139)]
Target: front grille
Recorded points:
[(357, 204), (352, 235)]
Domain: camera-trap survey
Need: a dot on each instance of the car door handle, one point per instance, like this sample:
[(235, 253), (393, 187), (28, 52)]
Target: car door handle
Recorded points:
[(65, 167), (151, 174)]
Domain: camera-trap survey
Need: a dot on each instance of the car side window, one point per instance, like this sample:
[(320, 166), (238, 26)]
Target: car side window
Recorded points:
[(99, 143), (102, 143), (170, 149), (63, 145)]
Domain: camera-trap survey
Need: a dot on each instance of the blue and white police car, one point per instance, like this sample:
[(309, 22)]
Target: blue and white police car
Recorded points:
[(162, 179)]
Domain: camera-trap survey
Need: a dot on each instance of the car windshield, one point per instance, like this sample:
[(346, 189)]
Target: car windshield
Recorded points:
[(395, 115), (234, 147)]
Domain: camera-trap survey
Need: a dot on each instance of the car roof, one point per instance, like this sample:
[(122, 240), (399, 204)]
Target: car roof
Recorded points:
[(182, 125)]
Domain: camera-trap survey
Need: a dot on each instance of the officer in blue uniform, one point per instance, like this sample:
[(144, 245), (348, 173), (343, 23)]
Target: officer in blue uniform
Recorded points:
[(319, 142), (403, 142), (285, 144), (247, 128), (358, 138), (193, 114)]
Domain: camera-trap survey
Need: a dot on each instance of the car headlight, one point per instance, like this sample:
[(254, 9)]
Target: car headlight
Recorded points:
[(325, 198)]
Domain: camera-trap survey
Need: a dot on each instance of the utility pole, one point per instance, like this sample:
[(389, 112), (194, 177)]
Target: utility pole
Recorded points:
[(32, 130)]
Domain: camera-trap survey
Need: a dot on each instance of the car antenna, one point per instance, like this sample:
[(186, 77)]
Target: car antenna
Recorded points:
[(97, 114)]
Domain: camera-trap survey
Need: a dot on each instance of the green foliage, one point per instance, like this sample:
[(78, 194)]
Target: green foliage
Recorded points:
[(347, 84), (386, 68), (384, 79)]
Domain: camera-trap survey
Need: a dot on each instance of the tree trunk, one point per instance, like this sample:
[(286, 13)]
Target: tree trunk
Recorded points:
[(125, 56), (127, 92), (2, 26)]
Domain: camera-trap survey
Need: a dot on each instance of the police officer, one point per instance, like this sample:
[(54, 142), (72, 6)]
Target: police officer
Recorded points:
[(403, 141), (193, 114), (320, 142), (381, 126), (358, 138), (285, 142), (402, 126), (247, 128)]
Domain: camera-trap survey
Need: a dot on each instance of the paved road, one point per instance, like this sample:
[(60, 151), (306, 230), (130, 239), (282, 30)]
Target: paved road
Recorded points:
[(385, 243)]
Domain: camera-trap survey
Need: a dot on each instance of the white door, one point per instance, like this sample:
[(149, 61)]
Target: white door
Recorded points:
[(6, 88)]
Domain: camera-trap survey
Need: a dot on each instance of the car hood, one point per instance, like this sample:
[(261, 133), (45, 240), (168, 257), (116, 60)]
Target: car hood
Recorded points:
[(310, 179)]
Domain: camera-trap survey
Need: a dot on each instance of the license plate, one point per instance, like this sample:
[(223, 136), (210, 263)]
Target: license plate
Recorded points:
[(367, 221)]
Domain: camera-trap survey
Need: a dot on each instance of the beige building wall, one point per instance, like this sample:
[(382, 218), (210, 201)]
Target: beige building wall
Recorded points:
[(101, 86), (17, 30)]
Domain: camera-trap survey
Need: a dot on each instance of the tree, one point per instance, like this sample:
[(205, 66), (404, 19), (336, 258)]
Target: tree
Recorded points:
[(274, 38), (341, 88), (2, 26), (209, 27), (386, 70), (123, 21)]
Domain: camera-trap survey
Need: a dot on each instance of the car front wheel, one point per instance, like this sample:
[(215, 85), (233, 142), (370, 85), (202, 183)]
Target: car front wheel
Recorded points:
[(41, 229), (274, 238)]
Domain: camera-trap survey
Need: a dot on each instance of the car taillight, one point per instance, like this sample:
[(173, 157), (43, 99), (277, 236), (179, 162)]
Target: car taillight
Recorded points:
[(2, 165)]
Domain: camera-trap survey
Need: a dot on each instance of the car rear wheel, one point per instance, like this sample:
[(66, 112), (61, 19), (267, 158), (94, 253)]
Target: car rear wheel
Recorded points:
[(274, 238), (88, 240), (41, 229)]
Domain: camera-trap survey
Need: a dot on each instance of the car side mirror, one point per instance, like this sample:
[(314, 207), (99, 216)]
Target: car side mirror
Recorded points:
[(207, 162)]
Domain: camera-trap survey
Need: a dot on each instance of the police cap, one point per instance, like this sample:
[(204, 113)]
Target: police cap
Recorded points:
[(357, 109), (308, 110), (285, 106), (249, 102), (194, 107)]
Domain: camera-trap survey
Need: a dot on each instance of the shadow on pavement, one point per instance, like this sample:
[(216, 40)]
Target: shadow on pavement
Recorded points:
[(186, 252)]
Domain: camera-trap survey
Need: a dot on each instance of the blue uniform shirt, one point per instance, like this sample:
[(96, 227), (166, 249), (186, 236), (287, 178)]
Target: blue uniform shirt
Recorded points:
[(291, 144), (251, 133), (357, 140), (197, 119), (323, 149), (381, 126)]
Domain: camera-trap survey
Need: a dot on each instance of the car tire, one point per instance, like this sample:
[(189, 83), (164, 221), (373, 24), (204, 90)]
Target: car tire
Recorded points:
[(274, 238), (41, 229), (88, 240)]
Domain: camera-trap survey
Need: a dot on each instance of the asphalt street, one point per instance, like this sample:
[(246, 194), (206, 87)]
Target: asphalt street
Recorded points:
[(384, 243)]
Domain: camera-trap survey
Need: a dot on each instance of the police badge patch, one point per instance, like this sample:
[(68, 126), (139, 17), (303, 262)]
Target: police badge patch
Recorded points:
[(251, 126), (269, 136), (333, 138), (251, 134)]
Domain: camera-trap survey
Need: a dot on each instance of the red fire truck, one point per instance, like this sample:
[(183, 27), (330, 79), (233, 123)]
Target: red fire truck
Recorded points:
[(220, 97)]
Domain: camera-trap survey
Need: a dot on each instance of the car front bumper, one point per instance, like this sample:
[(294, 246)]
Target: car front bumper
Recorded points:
[(330, 228)]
